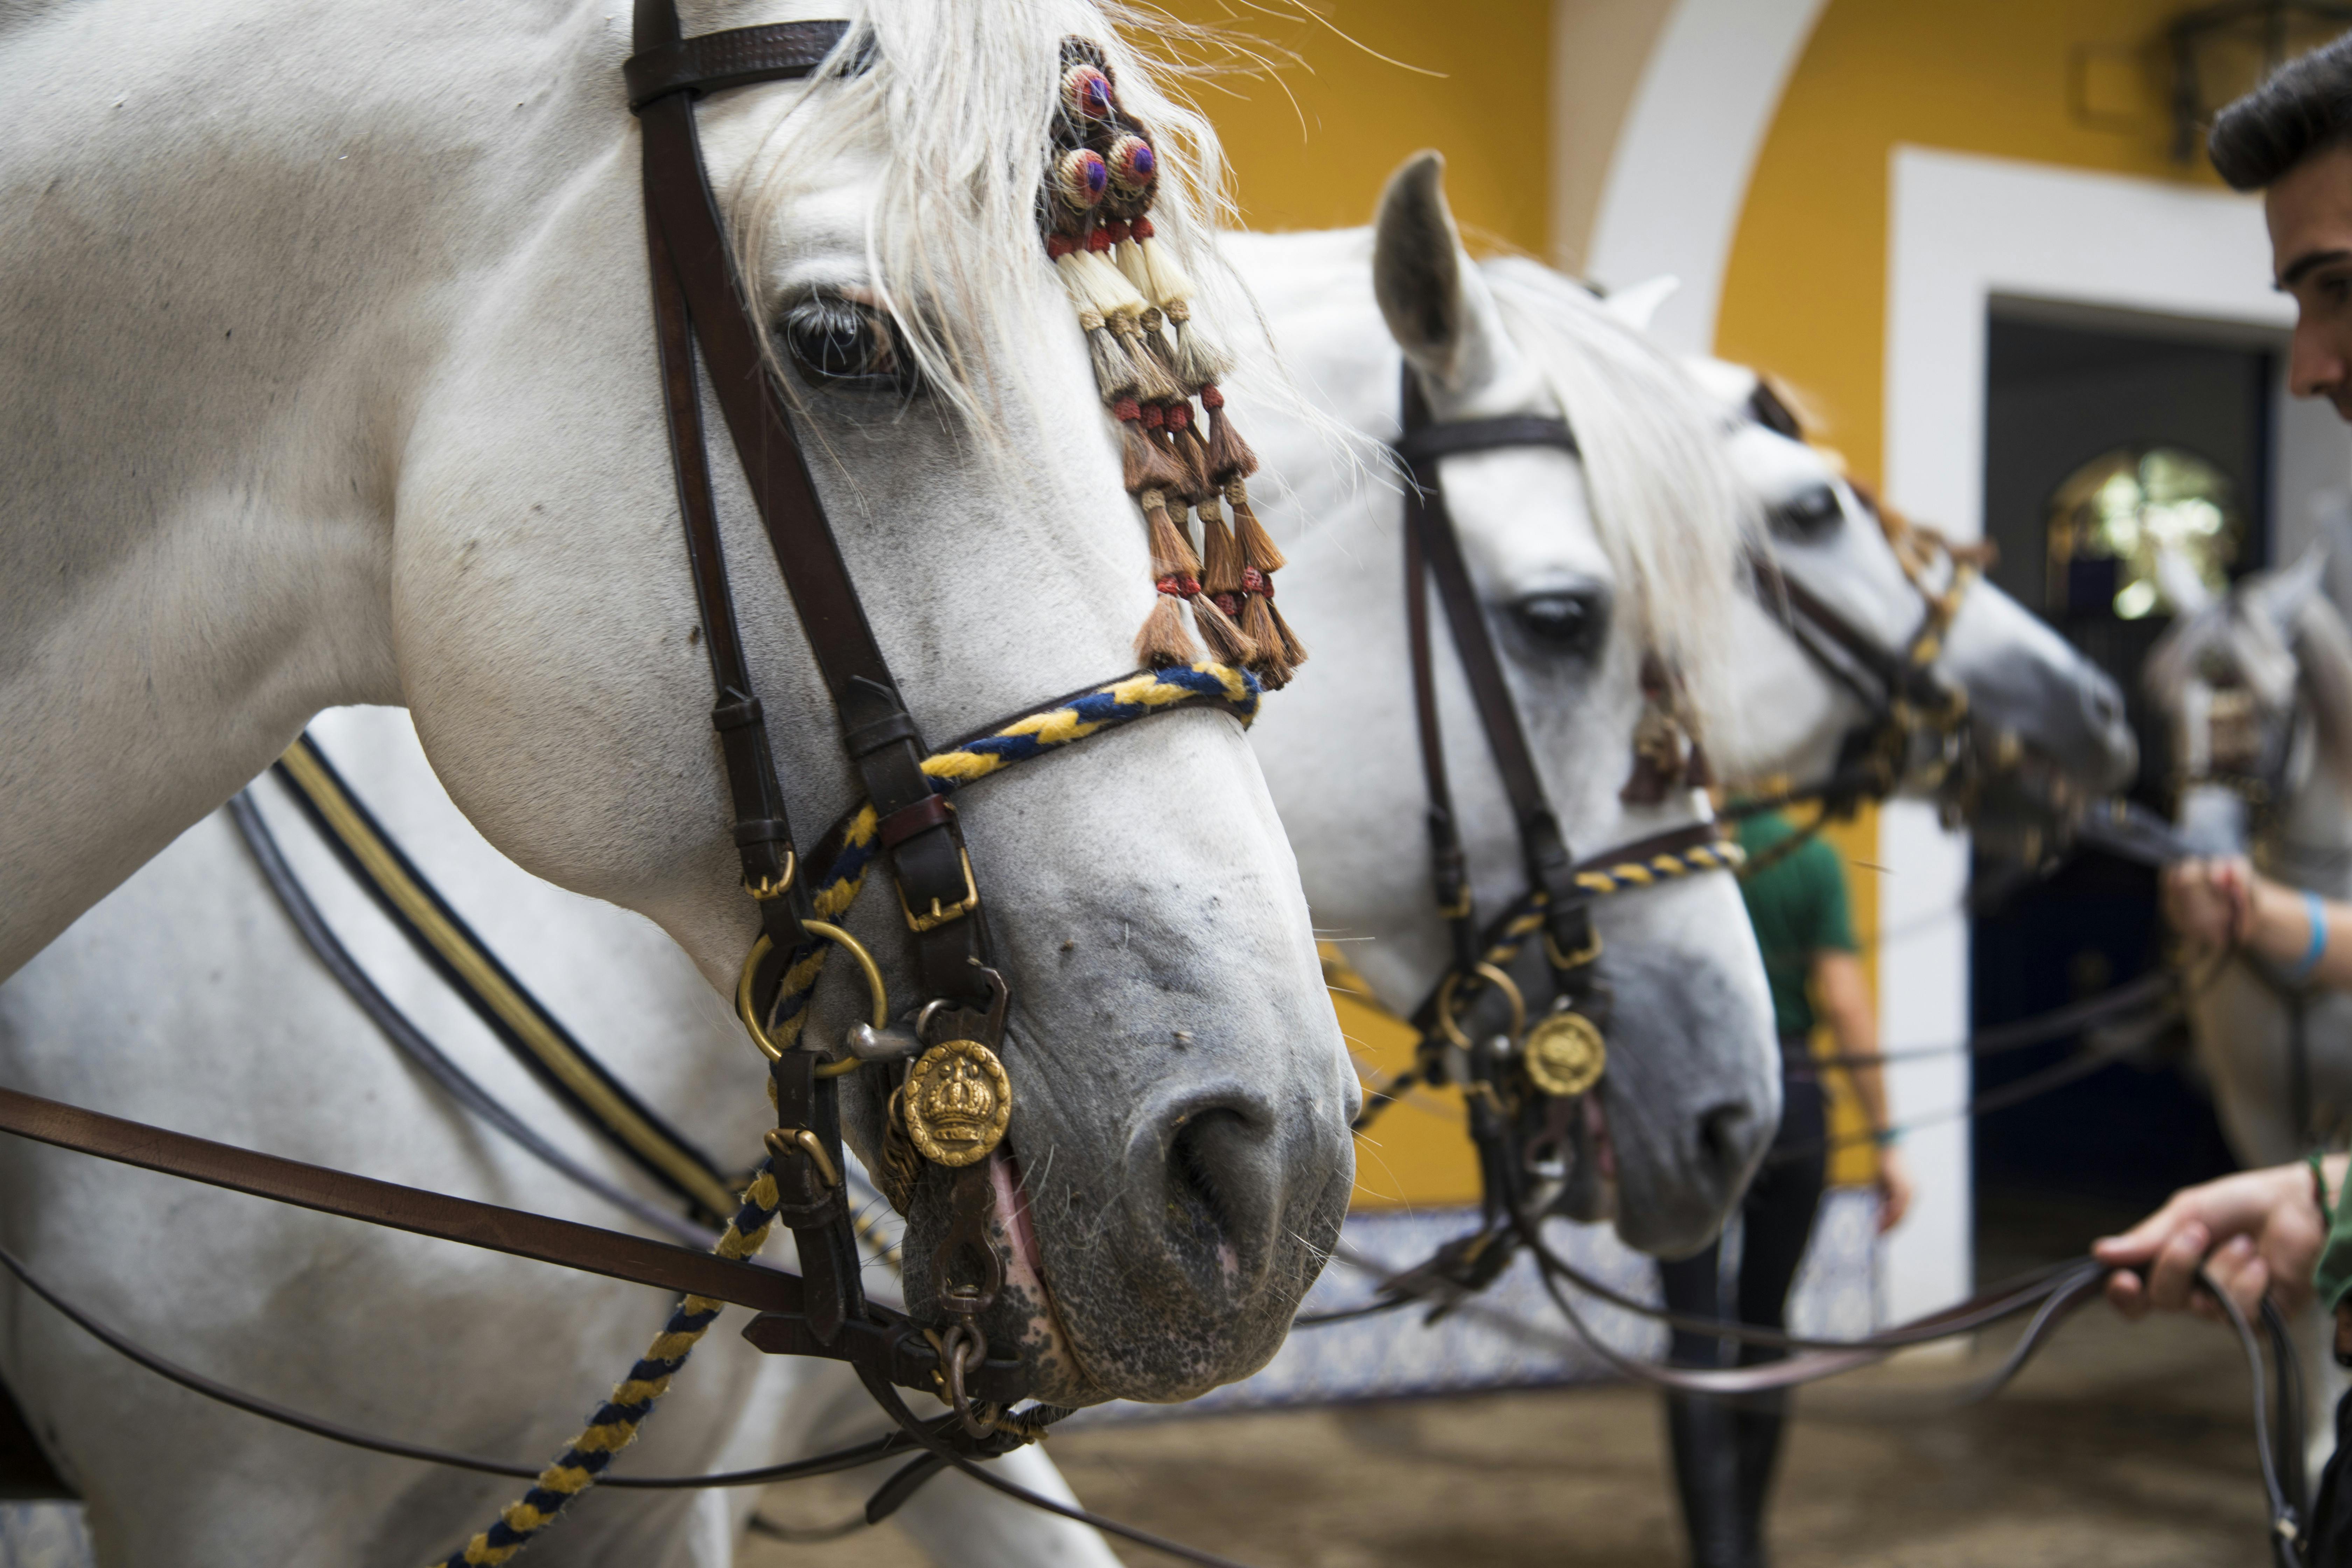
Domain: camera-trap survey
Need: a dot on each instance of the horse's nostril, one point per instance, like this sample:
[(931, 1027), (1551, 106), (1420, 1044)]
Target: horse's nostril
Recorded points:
[(1197, 1200), (1724, 1134), (2106, 706)]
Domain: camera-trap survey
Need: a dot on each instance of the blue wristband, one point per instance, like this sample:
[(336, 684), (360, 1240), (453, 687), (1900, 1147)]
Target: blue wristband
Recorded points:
[(2316, 907)]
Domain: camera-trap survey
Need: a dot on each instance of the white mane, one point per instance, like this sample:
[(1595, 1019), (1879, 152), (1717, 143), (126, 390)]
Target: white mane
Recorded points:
[(960, 99), (1668, 506)]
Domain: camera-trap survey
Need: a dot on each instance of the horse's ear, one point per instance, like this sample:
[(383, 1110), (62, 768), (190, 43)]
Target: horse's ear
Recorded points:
[(1435, 302), (2282, 593), (1637, 304)]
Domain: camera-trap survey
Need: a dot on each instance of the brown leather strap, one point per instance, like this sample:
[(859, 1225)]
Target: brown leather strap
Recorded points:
[(684, 216), (587, 1248), (1543, 849), (784, 51), (1423, 443)]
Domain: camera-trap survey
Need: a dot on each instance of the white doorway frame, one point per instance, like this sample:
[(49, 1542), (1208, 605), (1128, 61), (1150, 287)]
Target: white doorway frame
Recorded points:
[(1961, 230)]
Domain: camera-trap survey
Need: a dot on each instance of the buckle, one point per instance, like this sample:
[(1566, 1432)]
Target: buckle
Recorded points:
[(768, 888), (940, 916)]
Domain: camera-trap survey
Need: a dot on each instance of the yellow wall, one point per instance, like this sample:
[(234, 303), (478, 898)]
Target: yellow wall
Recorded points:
[(1312, 148), (1805, 293)]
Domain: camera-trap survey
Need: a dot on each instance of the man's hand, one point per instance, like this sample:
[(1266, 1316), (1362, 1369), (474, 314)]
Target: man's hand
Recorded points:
[(1894, 1188), (2256, 1231), (2211, 902)]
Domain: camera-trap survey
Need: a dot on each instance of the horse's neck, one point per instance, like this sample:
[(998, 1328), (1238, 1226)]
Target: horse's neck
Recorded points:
[(236, 252)]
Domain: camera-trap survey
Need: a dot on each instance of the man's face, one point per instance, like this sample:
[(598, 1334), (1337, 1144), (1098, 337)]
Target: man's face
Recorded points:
[(2310, 214)]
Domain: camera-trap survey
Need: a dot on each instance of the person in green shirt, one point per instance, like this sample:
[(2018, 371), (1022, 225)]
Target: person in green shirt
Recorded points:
[(1724, 1454)]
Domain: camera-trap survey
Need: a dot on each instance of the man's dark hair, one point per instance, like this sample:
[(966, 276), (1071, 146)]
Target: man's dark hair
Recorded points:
[(2305, 108)]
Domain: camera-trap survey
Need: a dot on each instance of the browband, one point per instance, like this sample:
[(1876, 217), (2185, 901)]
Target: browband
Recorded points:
[(782, 51), (1419, 443)]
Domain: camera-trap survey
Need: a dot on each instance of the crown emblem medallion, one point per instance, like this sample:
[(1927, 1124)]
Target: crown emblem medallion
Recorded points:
[(957, 1101), (1565, 1054)]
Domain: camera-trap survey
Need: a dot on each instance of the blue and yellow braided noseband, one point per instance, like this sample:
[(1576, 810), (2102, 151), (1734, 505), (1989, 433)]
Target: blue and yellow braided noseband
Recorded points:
[(615, 1422), (1024, 739)]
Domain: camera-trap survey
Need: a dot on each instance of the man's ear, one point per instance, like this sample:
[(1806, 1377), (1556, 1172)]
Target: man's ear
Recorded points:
[(1436, 306)]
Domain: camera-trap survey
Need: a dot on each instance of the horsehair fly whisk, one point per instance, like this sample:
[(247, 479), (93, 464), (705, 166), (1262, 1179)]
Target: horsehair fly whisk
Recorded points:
[(1132, 297)]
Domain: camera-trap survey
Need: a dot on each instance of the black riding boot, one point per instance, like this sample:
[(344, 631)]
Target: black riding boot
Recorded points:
[(1708, 1475), (1757, 1424)]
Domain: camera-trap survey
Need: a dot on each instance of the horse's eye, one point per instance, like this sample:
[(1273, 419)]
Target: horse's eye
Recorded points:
[(1570, 622), (836, 344), (1809, 515)]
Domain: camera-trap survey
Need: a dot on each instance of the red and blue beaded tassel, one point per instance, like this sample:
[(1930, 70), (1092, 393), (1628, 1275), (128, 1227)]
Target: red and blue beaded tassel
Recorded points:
[(1132, 298)]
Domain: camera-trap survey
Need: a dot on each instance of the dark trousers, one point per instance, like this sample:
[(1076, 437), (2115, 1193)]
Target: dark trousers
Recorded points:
[(1724, 1453)]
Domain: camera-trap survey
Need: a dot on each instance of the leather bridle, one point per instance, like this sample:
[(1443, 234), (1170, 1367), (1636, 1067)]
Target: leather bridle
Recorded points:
[(1521, 1085)]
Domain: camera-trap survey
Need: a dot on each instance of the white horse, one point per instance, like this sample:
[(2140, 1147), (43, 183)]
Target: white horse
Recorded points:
[(1691, 1057), (331, 382), (2030, 693)]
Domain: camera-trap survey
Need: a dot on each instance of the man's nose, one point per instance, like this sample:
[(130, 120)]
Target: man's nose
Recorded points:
[(2315, 367)]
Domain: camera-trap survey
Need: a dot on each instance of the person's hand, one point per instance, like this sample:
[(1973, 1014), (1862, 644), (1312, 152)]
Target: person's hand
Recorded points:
[(1894, 1187), (2211, 902), (2256, 1231)]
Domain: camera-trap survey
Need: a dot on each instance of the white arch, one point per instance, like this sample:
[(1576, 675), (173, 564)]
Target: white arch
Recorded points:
[(1679, 176)]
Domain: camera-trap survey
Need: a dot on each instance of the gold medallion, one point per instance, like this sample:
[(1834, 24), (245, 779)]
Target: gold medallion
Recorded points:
[(1565, 1054), (957, 1101)]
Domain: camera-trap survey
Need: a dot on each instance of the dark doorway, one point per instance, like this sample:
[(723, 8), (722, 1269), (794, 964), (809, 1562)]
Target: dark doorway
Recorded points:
[(2062, 395)]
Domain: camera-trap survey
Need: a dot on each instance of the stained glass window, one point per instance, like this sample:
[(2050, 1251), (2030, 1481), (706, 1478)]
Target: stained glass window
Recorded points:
[(2117, 515)]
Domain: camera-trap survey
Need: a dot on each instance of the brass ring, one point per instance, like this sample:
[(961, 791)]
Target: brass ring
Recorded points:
[(1500, 982), (855, 949)]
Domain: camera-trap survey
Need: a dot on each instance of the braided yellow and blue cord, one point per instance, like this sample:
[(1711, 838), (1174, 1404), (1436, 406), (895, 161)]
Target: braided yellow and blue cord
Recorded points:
[(1030, 736), (1625, 877), (615, 1424)]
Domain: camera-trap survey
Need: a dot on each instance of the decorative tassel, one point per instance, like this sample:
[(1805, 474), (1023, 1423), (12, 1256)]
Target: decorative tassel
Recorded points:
[(1114, 366), (1152, 382), (1199, 362), (1229, 456), (1257, 546), (1142, 465), (1228, 644), (1175, 573), (1279, 651), (1185, 445), (1221, 559)]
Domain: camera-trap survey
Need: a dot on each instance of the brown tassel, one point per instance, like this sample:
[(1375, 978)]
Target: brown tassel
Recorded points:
[(1257, 545), (1143, 466), (1221, 559), (1176, 574), (1163, 641), (1229, 456), (1227, 644), (1279, 653), (1171, 552), (1191, 454)]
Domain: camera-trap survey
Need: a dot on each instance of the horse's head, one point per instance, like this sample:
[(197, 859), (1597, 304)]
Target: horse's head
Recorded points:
[(1591, 570), (2255, 687), (2031, 699), (1179, 1092)]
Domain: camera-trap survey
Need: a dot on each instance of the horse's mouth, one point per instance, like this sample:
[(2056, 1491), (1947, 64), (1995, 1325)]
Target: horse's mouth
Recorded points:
[(1027, 1299)]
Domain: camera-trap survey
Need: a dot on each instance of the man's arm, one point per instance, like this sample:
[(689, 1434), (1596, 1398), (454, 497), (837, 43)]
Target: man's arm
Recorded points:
[(1841, 998), (2225, 903)]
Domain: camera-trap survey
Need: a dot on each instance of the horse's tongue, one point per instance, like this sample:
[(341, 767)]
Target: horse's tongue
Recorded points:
[(1021, 1269)]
